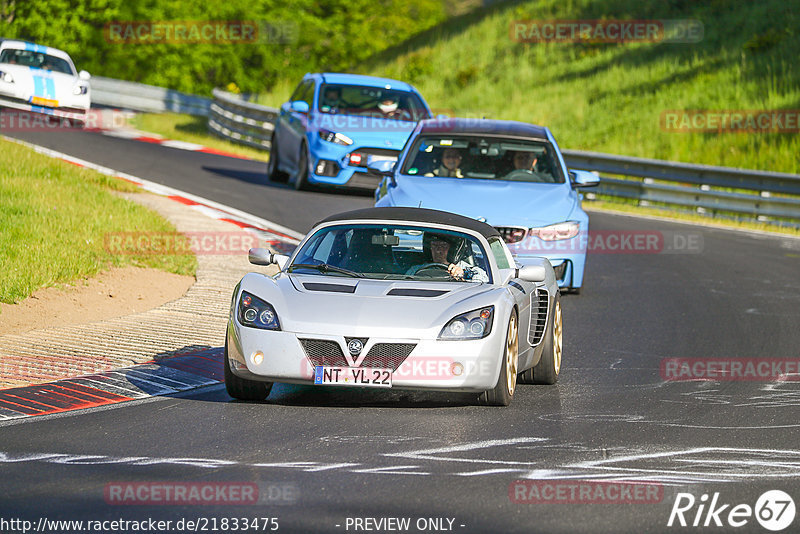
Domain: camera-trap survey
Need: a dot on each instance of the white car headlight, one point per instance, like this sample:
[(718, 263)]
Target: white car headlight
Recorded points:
[(336, 138), (80, 89), (476, 324), (6, 77), (256, 313), (557, 232)]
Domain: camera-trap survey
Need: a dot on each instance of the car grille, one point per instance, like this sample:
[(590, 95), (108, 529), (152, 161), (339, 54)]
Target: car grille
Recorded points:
[(539, 308), (387, 355), (512, 234), (324, 352)]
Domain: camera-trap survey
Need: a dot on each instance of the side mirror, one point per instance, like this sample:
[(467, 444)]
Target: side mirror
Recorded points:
[(384, 167), (532, 273), (584, 179), (261, 256), (85, 76), (299, 106)]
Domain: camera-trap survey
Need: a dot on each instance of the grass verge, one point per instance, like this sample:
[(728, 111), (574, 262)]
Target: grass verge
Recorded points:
[(192, 130), (54, 218)]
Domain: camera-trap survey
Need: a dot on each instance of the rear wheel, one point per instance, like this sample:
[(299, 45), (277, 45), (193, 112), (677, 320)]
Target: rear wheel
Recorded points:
[(274, 173), (241, 388), (503, 392), (301, 180), (546, 371)]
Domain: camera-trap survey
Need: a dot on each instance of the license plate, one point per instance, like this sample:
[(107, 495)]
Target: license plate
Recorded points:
[(39, 101), (352, 376)]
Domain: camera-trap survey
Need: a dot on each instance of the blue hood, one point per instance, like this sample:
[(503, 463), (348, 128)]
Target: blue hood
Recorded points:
[(366, 131), (501, 203)]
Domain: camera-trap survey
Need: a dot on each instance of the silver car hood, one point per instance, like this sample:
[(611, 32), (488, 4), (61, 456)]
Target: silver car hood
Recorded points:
[(333, 305)]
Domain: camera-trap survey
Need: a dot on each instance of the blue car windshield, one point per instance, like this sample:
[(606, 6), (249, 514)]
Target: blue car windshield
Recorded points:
[(37, 60), (481, 157), (393, 252), (373, 102)]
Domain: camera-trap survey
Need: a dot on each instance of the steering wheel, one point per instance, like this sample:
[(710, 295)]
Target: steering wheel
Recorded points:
[(427, 266)]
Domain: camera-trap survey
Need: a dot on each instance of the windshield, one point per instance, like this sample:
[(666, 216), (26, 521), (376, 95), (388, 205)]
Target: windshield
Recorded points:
[(391, 252), (375, 102), (485, 158), (37, 60)]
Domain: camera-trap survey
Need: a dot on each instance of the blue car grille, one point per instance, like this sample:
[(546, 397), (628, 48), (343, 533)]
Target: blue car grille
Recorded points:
[(512, 234)]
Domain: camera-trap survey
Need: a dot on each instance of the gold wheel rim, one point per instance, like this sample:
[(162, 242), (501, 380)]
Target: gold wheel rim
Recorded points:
[(557, 337), (512, 350)]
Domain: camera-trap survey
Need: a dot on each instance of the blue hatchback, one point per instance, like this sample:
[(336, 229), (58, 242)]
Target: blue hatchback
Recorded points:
[(335, 125), (509, 174)]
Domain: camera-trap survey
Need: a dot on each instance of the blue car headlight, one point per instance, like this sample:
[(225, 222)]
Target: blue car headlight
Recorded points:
[(476, 324), (334, 137), (557, 232), (256, 313)]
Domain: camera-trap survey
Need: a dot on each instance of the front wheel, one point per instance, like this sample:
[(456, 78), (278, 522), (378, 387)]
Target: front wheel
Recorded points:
[(241, 388), (503, 392)]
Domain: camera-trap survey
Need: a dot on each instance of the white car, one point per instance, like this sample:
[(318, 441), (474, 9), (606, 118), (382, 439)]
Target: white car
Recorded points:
[(41, 79), (405, 298)]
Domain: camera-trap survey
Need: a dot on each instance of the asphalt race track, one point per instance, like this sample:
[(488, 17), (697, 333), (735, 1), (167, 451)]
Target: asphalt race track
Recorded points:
[(324, 458)]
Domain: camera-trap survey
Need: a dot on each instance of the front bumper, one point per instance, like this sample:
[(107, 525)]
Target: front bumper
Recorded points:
[(330, 165), (73, 112), (472, 366)]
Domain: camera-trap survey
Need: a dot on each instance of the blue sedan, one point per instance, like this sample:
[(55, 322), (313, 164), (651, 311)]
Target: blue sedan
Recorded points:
[(509, 174), (335, 125)]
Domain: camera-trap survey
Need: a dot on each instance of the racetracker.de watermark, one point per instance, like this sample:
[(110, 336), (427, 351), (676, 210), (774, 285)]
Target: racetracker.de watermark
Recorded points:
[(12, 120), (607, 31), (175, 243), (731, 369), (543, 241), (199, 493), (730, 121), (584, 492), (149, 32)]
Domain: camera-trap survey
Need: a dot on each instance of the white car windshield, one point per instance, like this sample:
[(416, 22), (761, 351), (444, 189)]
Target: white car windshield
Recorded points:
[(482, 157), (393, 252), (36, 60)]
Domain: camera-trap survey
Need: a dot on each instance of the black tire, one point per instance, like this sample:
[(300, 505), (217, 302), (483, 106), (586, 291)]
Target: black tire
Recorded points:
[(241, 388), (546, 371), (301, 179), (274, 174), (503, 391)]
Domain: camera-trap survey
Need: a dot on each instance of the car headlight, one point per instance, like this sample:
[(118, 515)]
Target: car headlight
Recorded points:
[(557, 232), (256, 313), (334, 137), (6, 77), (476, 324), (80, 90)]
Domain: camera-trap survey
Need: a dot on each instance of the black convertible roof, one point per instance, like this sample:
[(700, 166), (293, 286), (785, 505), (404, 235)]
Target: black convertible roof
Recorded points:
[(423, 215)]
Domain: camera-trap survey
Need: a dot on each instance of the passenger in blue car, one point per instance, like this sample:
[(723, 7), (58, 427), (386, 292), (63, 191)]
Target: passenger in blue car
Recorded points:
[(450, 166)]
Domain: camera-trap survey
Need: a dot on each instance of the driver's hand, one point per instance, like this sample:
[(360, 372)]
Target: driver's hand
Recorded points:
[(455, 271)]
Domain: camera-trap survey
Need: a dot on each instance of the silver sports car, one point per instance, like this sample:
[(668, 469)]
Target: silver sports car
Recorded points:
[(396, 297)]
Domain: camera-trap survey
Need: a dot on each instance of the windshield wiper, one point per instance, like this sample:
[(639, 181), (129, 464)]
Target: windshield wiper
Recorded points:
[(324, 268)]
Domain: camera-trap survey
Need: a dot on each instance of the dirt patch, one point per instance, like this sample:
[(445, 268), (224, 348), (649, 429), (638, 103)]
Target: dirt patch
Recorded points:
[(112, 293)]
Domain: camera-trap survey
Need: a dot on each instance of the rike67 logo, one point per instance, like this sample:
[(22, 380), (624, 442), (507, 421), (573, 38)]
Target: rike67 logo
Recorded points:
[(774, 510)]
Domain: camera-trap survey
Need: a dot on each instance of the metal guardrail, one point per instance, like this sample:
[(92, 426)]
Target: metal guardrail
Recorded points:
[(241, 122), (148, 98), (699, 187)]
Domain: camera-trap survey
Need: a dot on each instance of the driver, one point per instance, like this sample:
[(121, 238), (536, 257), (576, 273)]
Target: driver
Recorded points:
[(451, 163), (389, 106), (443, 251), (525, 161), (331, 100)]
